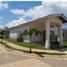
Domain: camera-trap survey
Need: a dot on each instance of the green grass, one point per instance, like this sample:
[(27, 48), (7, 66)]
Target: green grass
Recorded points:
[(33, 45), (25, 44), (47, 53), (39, 53), (65, 44)]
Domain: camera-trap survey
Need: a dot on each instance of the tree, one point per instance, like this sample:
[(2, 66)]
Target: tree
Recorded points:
[(6, 29), (2, 35), (30, 33)]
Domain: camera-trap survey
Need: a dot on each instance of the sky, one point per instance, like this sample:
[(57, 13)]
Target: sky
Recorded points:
[(13, 13)]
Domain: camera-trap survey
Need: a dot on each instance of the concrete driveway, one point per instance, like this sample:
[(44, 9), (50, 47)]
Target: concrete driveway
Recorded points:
[(55, 62), (11, 58)]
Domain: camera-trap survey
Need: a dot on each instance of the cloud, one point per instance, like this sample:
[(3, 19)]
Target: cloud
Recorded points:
[(1, 26), (58, 6), (17, 11), (16, 22), (36, 12), (3, 5), (46, 8)]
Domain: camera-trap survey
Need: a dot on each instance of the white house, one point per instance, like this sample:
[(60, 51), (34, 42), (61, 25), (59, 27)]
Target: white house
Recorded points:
[(51, 27)]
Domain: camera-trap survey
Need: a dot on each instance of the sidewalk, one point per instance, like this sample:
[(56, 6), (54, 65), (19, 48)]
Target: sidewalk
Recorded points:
[(15, 59), (27, 63), (64, 50)]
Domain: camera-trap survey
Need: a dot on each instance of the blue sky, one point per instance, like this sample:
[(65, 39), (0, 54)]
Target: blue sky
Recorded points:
[(14, 13), (6, 16)]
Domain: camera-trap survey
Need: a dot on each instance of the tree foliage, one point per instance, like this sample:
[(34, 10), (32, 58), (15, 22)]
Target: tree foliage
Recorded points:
[(30, 32)]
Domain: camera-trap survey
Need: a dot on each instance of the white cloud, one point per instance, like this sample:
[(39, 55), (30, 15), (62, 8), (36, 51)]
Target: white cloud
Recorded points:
[(16, 22), (1, 26), (17, 11), (56, 6), (3, 5), (47, 7), (36, 12)]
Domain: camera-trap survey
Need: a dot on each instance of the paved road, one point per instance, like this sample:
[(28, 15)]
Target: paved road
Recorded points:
[(8, 59), (18, 59), (55, 62)]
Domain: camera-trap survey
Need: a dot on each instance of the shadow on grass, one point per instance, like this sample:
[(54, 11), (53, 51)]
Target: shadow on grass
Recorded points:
[(40, 54)]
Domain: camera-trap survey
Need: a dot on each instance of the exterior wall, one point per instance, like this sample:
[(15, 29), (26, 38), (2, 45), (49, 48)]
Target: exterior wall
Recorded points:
[(39, 24), (54, 34), (41, 28), (14, 33), (55, 29), (65, 35), (36, 38)]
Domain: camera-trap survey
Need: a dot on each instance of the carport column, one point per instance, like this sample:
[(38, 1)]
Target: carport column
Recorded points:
[(47, 44), (61, 36)]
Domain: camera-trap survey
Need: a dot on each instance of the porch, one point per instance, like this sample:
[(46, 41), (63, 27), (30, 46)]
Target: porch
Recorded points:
[(51, 31)]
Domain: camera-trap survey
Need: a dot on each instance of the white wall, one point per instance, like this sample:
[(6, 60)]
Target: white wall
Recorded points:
[(14, 33), (35, 38), (55, 29)]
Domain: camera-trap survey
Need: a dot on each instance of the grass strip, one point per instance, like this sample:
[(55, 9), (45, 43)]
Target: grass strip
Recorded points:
[(47, 53)]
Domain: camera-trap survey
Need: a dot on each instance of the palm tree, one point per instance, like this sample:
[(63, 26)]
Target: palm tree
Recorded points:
[(30, 33)]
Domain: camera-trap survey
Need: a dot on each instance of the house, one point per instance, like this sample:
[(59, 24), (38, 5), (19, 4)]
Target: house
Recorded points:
[(51, 27)]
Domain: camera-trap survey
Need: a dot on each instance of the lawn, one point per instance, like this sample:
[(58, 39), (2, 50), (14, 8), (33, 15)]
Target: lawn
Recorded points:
[(25, 44), (33, 45), (65, 44), (39, 53)]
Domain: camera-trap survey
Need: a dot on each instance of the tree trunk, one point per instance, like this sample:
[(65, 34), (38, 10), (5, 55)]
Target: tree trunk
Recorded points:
[(30, 45)]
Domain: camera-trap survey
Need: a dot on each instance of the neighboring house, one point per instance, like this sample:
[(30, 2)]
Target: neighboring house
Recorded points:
[(50, 26)]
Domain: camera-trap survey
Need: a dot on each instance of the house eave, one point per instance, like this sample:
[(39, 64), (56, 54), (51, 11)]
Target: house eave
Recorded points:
[(60, 16)]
